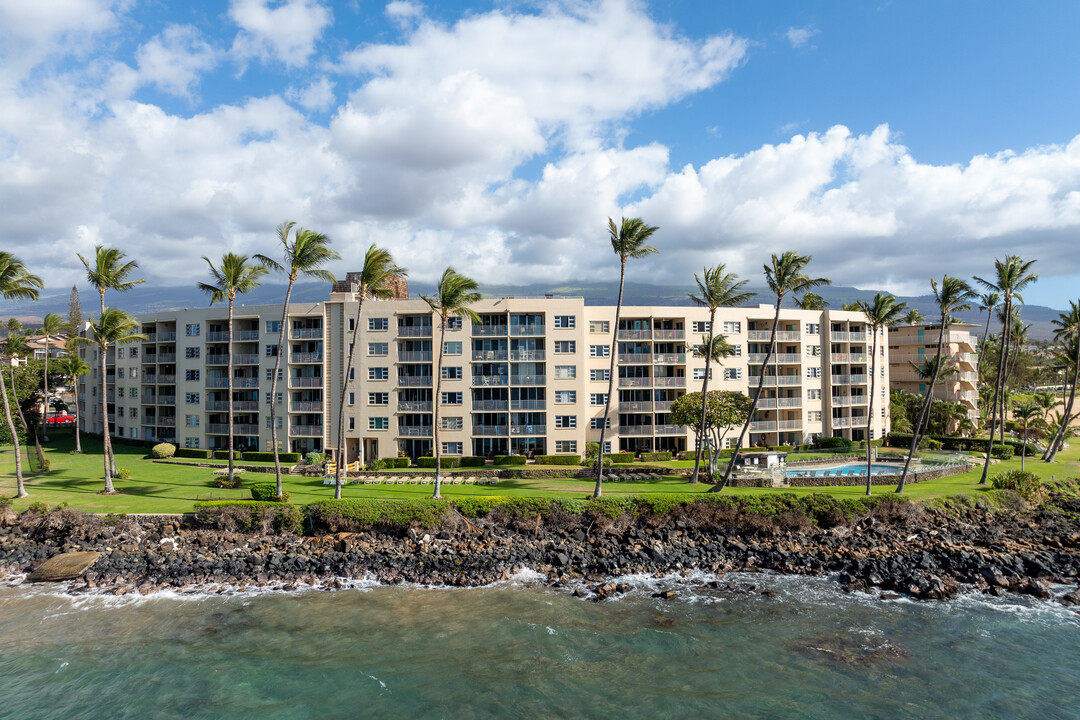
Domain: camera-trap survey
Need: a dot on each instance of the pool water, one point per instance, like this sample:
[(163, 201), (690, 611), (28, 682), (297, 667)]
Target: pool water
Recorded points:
[(850, 469)]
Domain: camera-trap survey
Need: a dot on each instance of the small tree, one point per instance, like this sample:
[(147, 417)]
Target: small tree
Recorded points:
[(724, 409), (1026, 414)]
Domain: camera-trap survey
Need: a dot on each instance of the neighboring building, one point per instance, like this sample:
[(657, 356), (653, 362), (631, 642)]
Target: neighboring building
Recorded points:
[(57, 346), (532, 376), (918, 343)]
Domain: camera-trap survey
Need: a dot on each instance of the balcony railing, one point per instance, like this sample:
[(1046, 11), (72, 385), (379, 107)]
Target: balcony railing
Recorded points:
[(150, 338), (239, 405), (166, 357), (772, 380), (635, 359), (246, 359), (840, 422), (663, 406), (526, 330), (408, 356), (670, 429), (306, 333), (489, 355), (217, 336), (305, 357), (781, 335), (414, 331), (528, 404), (166, 379), (414, 406), (768, 403), (666, 382), (789, 425), (166, 337), (414, 381), (763, 426), (306, 406), (489, 330), (305, 382), (488, 405), (669, 334), (847, 357), (237, 383), (217, 359), (669, 358), (414, 431), (306, 430), (247, 335), (166, 422), (635, 407), (634, 382), (223, 429), (528, 429), (634, 335), (166, 400), (780, 358), (528, 380), (526, 355), (149, 378), (490, 430), (490, 380), (636, 430)]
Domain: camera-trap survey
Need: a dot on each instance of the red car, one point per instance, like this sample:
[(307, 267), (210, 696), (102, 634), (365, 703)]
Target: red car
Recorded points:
[(60, 420)]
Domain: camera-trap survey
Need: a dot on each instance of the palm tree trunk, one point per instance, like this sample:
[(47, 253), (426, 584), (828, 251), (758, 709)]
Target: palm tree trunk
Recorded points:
[(435, 418), (982, 349), (924, 414), (106, 446), (1005, 381), (106, 441), (997, 388), (753, 401), (45, 405), (597, 491), (704, 394), (1051, 451), (870, 406), (228, 388), (273, 385), (339, 449), (20, 491), (22, 418), (78, 413)]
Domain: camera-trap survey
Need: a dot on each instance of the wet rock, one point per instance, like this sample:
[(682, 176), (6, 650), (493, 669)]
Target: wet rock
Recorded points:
[(66, 566)]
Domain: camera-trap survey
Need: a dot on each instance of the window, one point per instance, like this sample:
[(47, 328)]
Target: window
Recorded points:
[(191, 442), (378, 423), (134, 373), (565, 321), (814, 394), (271, 350), (600, 375), (273, 327), (564, 347), (191, 420), (191, 375), (352, 423), (814, 416), (270, 373), (378, 398), (352, 324), (813, 328), (378, 373), (566, 446), (813, 351), (277, 423), (279, 396), (451, 398), (452, 423), (192, 352), (565, 371), (378, 323), (566, 421), (134, 392), (193, 329), (599, 351), (378, 348), (452, 348), (599, 326), (451, 448), (598, 423), (813, 372), (598, 399), (699, 373), (120, 392), (607, 446), (120, 373), (191, 398), (701, 326), (453, 323), (733, 327), (882, 412), (732, 373), (452, 373), (133, 412), (132, 352), (565, 396), (883, 369), (352, 398), (736, 350)]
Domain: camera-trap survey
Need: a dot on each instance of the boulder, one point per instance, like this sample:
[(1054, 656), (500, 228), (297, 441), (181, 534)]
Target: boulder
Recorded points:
[(66, 566)]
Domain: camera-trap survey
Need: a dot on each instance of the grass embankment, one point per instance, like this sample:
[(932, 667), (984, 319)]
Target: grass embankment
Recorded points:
[(165, 488)]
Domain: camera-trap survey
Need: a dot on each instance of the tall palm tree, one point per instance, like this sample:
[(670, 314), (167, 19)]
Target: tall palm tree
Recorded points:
[(303, 254), (716, 288), (952, 296), (813, 301), (236, 275), (112, 327), (881, 312), (453, 297), (375, 281), (109, 271), (72, 366), (913, 317), (16, 283), (937, 366), (52, 324), (987, 302), (785, 275), (15, 347), (628, 240), (1066, 332), (1011, 276), (1046, 401), (1026, 413)]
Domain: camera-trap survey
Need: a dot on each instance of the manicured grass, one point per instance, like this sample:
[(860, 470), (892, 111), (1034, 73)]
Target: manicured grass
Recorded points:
[(160, 488)]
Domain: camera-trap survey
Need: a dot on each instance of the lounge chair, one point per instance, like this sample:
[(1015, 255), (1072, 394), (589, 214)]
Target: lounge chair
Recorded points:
[(456, 481), (425, 481), (493, 481), (468, 481)]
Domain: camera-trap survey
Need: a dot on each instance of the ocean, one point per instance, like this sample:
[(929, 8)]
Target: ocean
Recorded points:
[(519, 649)]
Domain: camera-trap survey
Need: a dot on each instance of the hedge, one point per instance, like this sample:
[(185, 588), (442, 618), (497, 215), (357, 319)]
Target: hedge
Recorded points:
[(250, 515), (444, 463), (267, 492), (655, 457), (362, 513), (725, 452), (558, 459), (401, 462), (285, 457), (510, 460), (194, 453), (949, 442), (833, 442), (619, 457), (473, 461), (1002, 452)]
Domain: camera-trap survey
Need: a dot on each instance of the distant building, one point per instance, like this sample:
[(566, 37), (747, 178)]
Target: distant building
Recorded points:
[(918, 343)]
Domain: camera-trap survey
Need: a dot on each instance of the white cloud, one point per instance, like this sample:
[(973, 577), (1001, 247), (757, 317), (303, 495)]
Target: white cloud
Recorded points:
[(404, 13), (801, 36), (284, 32), (30, 32), (319, 95), (175, 59)]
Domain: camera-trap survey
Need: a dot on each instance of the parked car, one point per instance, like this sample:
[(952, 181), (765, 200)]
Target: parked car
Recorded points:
[(60, 420)]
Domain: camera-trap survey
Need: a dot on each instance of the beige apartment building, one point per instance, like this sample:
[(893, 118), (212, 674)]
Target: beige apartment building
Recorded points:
[(530, 377), (918, 343)]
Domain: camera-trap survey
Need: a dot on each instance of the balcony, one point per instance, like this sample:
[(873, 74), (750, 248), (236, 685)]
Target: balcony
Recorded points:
[(669, 334), (634, 382), (414, 356), (488, 355), (848, 357), (668, 382), (241, 405), (789, 424), (769, 403), (763, 426), (306, 333), (150, 338), (166, 422), (149, 400), (414, 430), (484, 406), (246, 359), (527, 355), (223, 429), (634, 335), (217, 336), (490, 380), (414, 381), (528, 380), (635, 407), (247, 335), (217, 359), (490, 430), (166, 400), (780, 358), (306, 357), (840, 422), (669, 429), (526, 330), (149, 378), (237, 383), (635, 359), (489, 330), (663, 406), (528, 429), (766, 335), (931, 338), (638, 430), (305, 382), (773, 380), (528, 404), (414, 331), (166, 337), (166, 380), (166, 357), (306, 430), (669, 358), (413, 406)]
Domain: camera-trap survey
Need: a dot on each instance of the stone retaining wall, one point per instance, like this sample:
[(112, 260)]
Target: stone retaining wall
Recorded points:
[(848, 480)]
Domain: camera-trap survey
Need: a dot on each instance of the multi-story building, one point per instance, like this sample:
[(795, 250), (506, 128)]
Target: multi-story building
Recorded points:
[(531, 377), (918, 343)]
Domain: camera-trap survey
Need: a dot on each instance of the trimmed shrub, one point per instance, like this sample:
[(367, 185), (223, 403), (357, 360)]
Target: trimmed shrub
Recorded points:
[(1001, 452), (223, 481), (783, 448), (267, 492), (655, 457), (163, 450), (444, 463), (194, 453), (510, 460), (833, 442), (401, 462), (123, 474), (558, 459), (250, 516), (473, 461), (620, 457), (354, 514), (285, 457), (929, 443), (1025, 484)]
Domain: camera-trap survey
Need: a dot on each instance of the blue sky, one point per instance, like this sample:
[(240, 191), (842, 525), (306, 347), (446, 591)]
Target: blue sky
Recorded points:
[(891, 140)]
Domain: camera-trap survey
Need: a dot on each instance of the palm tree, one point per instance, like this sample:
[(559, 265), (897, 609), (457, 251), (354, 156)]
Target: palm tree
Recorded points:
[(988, 301), (1025, 412), (628, 241), (1067, 332), (109, 271), (16, 346), (375, 280), (1046, 401), (52, 324), (939, 367), (113, 327), (303, 255), (913, 317), (952, 296), (1060, 427), (785, 275), (453, 297), (235, 276), (813, 301), (715, 349), (1011, 276), (72, 366), (16, 283), (716, 288), (880, 313)]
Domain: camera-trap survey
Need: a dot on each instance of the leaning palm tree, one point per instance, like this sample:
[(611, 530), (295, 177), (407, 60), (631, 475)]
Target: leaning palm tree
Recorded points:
[(880, 313), (1061, 427), (16, 347), (1046, 401), (716, 288), (987, 302), (1026, 413), (236, 275), (51, 325), (303, 254), (72, 366), (453, 297), (16, 283), (785, 275), (375, 280), (109, 271), (940, 367), (1011, 276), (628, 241), (713, 348), (813, 301), (113, 327), (1066, 332), (952, 296)]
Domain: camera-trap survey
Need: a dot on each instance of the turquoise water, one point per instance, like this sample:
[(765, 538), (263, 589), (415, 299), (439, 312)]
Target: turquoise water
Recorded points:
[(519, 650), (852, 469)]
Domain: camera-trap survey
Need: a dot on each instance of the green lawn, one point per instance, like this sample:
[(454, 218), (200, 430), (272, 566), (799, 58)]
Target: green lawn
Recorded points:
[(158, 488)]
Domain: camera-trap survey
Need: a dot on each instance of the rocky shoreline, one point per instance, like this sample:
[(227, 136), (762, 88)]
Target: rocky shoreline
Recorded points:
[(895, 549)]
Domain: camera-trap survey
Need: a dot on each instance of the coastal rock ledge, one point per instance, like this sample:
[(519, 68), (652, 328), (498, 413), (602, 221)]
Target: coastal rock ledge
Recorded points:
[(66, 566)]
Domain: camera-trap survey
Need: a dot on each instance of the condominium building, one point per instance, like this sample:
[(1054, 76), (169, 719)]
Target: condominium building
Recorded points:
[(531, 377), (918, 343)]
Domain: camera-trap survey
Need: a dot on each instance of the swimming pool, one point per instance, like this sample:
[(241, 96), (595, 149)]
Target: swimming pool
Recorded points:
[(841, 470)]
